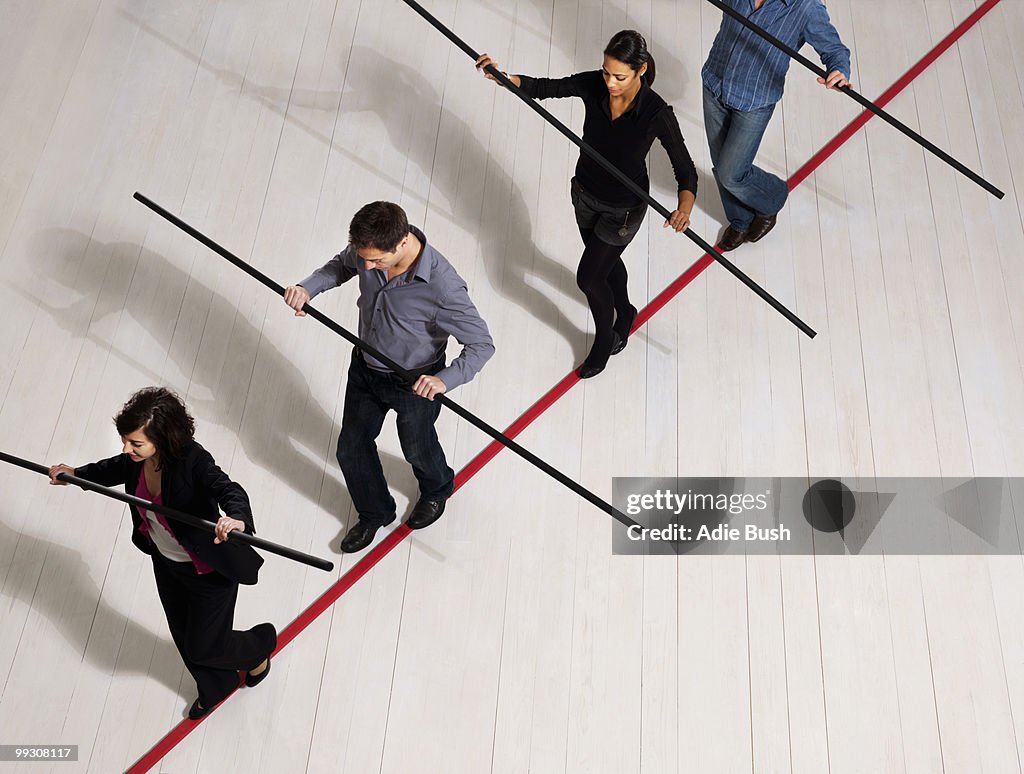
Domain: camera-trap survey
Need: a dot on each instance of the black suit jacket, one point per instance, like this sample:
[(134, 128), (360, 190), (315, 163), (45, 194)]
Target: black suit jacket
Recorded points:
[(193, 484)]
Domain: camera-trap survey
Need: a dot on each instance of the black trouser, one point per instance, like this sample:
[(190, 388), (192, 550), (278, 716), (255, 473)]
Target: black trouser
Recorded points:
[(200, 614), (368, 398)]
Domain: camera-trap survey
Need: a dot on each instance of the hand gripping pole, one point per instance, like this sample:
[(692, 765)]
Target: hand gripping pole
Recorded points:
[(175, 515), (859, 99)]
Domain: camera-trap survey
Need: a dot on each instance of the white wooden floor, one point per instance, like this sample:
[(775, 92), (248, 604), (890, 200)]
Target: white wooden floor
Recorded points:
[(506, 638)]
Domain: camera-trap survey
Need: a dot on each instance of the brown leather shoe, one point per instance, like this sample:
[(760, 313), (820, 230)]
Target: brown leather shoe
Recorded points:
[(731, 239), (760, 226)]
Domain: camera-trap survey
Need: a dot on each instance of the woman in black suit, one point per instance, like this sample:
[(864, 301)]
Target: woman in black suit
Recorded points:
[(197, 578)]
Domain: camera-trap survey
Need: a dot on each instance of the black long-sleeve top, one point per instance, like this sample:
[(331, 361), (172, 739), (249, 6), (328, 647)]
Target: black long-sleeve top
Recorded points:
[(626, 141)]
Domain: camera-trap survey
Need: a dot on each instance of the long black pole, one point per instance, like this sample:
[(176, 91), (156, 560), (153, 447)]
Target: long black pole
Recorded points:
[(858, 98), (445, 401), (171, 513), (612, 169)]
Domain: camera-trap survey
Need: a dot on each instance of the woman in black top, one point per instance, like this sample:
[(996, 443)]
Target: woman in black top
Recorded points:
[(623, 117), (196, 577)]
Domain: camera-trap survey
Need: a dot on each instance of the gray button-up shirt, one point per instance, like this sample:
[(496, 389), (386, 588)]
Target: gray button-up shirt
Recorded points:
[(410, 318)]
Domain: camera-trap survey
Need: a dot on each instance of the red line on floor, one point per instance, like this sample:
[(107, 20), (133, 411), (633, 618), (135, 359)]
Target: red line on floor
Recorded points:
[(382, 549)]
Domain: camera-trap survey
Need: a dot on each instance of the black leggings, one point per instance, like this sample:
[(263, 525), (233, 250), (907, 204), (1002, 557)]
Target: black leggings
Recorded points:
[(602, 278)]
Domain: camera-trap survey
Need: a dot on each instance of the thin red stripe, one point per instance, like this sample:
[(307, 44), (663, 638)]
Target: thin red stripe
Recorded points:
[(329, 597)]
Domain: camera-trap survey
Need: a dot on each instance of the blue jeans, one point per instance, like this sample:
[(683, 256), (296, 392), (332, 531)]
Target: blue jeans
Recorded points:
[(733, 138), (368, 397)]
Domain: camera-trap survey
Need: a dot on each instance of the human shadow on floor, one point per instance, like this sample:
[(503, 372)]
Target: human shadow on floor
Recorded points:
[(278, 100), (54, 581), (254, 389), (396, 94)]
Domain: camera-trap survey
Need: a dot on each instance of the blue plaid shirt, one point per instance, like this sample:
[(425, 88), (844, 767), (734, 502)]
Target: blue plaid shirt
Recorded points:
[(746, 72)]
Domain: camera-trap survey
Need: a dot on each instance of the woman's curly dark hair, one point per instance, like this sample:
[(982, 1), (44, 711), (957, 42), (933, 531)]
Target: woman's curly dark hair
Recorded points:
[(162, 416)]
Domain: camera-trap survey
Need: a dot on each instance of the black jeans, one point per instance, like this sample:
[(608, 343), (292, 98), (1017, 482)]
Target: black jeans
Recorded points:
[(368, 397), (200, 613)]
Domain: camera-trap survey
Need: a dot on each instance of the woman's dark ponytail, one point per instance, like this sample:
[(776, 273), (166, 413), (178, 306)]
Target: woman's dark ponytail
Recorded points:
[(629, 47)]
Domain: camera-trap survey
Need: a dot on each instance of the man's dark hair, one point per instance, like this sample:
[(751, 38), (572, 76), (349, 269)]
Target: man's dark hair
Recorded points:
[(161, 416), (378, 225)]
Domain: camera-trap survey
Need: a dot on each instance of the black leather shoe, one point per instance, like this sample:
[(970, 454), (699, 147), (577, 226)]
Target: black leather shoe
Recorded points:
[(760, 226), (731, 239), (425, 513), (196, 711), (252, 680), (358, 538)]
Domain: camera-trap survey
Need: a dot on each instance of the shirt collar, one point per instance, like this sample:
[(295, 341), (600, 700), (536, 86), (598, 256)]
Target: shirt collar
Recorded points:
[(634, 109), (421, 269)]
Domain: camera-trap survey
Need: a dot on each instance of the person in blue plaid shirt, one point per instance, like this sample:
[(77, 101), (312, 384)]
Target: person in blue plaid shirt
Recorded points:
[(744, 78)]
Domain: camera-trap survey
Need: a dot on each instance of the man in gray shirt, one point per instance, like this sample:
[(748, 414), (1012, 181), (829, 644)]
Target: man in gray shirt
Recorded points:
[(410, 301)]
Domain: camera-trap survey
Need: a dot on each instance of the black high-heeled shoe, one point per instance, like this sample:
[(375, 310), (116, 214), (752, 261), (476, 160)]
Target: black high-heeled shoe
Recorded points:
[(251, 680), (623, 325), (586, 371), (197, 711), (618, 345)]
